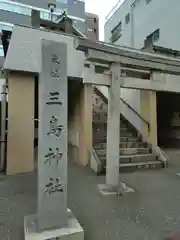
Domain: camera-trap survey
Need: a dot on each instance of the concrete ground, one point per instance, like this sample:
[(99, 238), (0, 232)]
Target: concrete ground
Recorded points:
[(149, 213)]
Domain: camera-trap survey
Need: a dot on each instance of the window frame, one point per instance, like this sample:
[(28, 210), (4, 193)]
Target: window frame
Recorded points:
[(116, 32), (154, 36), (148, 1), (127, 18)]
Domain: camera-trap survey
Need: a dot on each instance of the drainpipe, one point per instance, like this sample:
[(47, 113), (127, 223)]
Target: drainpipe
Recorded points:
[(132, 22), (3, 126)]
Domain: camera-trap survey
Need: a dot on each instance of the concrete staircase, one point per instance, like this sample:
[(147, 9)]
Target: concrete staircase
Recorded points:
[(134, 153)]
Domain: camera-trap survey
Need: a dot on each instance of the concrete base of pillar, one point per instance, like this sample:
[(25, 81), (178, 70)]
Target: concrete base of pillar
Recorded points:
[(73, 231), (119, 190)]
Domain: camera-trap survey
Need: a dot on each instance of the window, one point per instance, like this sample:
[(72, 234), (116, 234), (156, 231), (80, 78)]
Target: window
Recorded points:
[(153, 37), (148, 1), (116, 33), (6, 26), (156, 36), (14, 8), (26, 9), (62, 1), (1, 51), (127, 18)]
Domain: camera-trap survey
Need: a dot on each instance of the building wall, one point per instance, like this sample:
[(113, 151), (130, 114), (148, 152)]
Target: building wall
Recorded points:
[(35, 3), (27, 42), (92, 26), (118, 16), (144, 20), (74, 7), (11, 12), (11, 17)]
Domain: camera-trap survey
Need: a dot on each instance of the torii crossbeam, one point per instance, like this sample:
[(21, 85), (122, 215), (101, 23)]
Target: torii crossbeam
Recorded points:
[(163, 71)]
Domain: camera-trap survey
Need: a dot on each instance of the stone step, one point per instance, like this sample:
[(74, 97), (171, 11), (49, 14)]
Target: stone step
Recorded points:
[(132, 167), (126, 151), (101, 135), (133, 145), (102, 122), (122, 134), (136, 158), (123, 145), (129, 139), (127, 134), (129, 151), (102, 128), (100, 139)]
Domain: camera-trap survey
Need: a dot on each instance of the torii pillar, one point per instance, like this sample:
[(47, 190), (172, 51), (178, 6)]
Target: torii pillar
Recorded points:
[(20, 136)]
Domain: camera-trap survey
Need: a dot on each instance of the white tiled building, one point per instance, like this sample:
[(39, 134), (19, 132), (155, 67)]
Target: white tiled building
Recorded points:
[(133, 21)]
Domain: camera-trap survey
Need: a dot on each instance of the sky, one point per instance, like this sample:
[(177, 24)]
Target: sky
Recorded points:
[(101, 8)]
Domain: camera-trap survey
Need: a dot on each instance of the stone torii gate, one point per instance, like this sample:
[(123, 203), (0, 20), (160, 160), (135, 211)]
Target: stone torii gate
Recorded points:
[(126, 68), (39, 51)]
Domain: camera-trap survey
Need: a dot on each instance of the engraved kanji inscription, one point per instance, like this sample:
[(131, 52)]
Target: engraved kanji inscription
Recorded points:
[(53, 155), (55, 59), (53, 98), (55, 72), (53, 186), (55, 127)]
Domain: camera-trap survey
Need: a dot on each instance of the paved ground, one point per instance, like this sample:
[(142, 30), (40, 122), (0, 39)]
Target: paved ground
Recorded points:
[(149, 213)]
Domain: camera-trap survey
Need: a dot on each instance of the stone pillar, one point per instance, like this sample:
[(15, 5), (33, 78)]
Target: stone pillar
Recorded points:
[(85, 126), (35, 18), (153, 118), (144, 112), (149, 113), (113, 129), (53, 220), (53, 135), (68, 26), (20, 138)]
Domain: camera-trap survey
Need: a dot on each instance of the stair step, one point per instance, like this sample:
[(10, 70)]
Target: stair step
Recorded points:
[(124, 129), (132, 167), (102, 122), (103, 130), (130, 151), (137, 158), (129, 139), (129, 167), (123, 145), (133, 145), (127, 134), (103, 139), (126, 151)]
